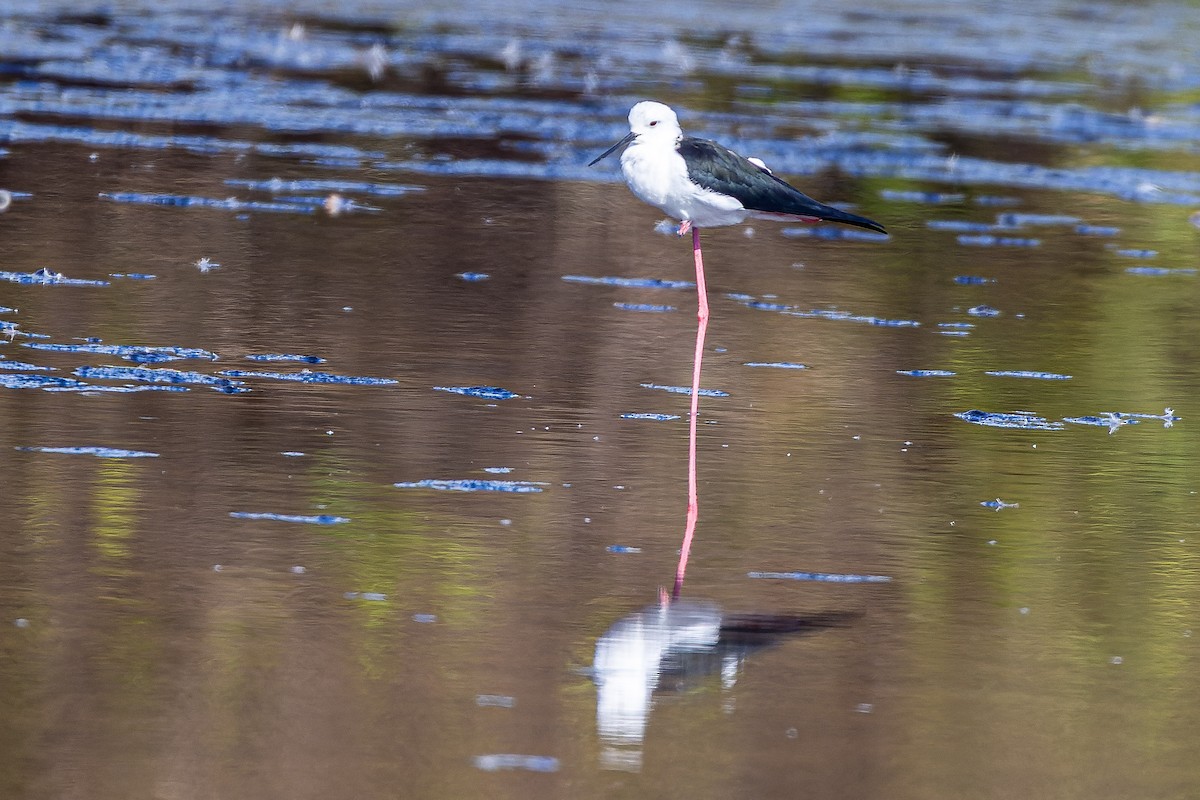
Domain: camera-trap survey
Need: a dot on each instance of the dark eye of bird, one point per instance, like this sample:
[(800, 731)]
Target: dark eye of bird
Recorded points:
[(652, 124)]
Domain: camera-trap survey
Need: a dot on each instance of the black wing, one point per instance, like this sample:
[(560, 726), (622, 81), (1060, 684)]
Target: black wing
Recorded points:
[(721, 170)]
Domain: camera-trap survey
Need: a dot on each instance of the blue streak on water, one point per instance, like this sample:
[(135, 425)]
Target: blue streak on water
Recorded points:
[(1097, 230), (957, 325), (308, 376), (373, 597), (848, 317), (308, 519), (775, 364), (23, 380), (136, 353), (473, 485), (192, 201), (91, 388), (498, 470), (494, 762), (685, 390), (45, 277), (162, 375), (99, 452), (1137, 253), (1023, 420), (1160, 271), (133, 276), (822, 577), (278, 185), (972, 280), (998, 504), (1017, 373), (932, 198), (643, 307), (1016, 220), (966, 226), (22, 366), (995, 200), (998, 241), (285, 357), (473, 277), (927, 373), (828, 232), (656, 417), (482, 392), (637, 283), (622, 548), (983, 311)]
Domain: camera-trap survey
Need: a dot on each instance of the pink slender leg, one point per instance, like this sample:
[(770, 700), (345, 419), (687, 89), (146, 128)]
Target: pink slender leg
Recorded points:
[(693, 509)]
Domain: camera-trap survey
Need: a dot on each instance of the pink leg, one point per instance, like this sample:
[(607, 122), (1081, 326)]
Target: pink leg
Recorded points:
[(693, 510)]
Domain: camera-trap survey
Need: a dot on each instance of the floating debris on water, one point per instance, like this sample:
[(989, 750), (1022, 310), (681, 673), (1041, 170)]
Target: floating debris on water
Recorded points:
[(983, 311), (285, 357), (498, 470), (474, 485), (636, 283), (99, 452), (308, 376), (927, 373), (821, 577), (482, 392), (45, 277), (206, 264), (495, 762), (1023, 420), (998, 504), (775, 364), (1017, 373), (656, 417), (685, 390), (308, 519), (643, 307), (291, 453)]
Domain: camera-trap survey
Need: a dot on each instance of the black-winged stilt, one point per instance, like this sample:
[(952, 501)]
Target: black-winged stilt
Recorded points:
[(703, 185)]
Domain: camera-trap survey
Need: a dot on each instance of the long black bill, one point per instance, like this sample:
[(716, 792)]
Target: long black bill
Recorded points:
[(618, 146)]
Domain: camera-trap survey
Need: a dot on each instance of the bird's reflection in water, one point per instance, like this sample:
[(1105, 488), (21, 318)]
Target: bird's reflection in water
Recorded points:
[(674, 646)]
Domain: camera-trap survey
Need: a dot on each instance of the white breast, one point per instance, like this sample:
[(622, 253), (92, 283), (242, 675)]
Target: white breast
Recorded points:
[(658, 176)]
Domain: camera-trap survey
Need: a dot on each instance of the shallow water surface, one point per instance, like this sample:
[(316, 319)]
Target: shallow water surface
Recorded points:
[(343, 409)]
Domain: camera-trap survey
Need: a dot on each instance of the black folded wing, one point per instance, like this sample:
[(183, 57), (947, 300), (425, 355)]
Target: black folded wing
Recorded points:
[(721, 170)]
